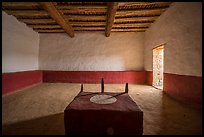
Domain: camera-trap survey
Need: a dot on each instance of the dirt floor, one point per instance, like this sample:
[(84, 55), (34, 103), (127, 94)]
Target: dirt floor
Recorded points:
[(39, 109)]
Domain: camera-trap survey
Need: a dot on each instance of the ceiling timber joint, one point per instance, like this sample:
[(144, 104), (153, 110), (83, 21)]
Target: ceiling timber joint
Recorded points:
[(53, 12), (112, 8)]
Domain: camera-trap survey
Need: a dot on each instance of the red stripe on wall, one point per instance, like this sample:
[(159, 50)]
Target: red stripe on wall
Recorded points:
[(183, 87), (19, 80), (149, 77), (110, 77)]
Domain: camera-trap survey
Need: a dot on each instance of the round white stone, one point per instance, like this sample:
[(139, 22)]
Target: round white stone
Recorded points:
[(103, 99)]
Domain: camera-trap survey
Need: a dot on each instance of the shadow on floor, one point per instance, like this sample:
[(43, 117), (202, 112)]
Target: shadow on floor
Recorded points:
[(179, 118), (48, 125)]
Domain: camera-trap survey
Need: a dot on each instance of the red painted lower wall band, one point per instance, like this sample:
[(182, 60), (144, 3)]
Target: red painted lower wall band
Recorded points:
[(110, 77), (183, 87), (19, 80), (149, 77)]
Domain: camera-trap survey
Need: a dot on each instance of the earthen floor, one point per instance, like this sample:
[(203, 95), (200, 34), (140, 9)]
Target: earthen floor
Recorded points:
[(39, 109)]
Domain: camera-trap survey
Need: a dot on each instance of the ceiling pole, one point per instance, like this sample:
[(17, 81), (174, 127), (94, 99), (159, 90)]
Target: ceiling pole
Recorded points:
[(52, 11), (112, 8)]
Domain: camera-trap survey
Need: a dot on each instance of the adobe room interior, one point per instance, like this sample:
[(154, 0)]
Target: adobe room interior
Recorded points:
[(102, 68)]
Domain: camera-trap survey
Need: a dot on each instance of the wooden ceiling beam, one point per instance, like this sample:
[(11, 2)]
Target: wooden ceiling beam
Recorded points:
[(89, 28), (129, 30), (38, 21), (75, 28), (80, 7), (50, 8), (88, 23), (51, 21), (84, 18), (143, 5), (142, 12), (79, 3), (85, 29), (49, 31), (45, 26), (136, 19), (21, 4), (51, 17), (84, 12), (132, 25), (112, 8), (26, 12)]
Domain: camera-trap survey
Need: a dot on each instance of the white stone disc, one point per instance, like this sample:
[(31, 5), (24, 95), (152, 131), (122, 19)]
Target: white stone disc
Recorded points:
[(103, 99)]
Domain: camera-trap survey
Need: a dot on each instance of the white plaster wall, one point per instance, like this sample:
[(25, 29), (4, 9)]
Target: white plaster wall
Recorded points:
[(20, 45), (180, 27), (91, 51)]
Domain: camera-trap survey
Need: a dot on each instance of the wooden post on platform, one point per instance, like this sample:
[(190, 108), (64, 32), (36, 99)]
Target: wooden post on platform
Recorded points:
[(102, 86), (81, 88), (126, 88)]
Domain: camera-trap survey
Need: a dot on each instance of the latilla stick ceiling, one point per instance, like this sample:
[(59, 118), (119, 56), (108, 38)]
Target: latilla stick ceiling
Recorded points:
[(71, 17)]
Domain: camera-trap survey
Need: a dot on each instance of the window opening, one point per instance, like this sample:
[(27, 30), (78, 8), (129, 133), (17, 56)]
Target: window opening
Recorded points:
[(158, 61)]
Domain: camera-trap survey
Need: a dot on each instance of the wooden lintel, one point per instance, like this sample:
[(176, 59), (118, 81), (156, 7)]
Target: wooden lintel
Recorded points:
[(112, 8), (52, 11)]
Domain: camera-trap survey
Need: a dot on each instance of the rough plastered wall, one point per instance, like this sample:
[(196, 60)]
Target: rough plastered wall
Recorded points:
[(91, 51), (180, 27), (20, 45)]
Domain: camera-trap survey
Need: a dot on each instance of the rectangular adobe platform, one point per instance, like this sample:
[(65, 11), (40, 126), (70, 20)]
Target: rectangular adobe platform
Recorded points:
[(83, 117)]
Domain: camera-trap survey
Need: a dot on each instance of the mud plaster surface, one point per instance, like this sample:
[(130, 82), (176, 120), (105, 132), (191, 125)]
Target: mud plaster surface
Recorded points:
[(20, 45), (183, 43), (39, 109), (91, 52)]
